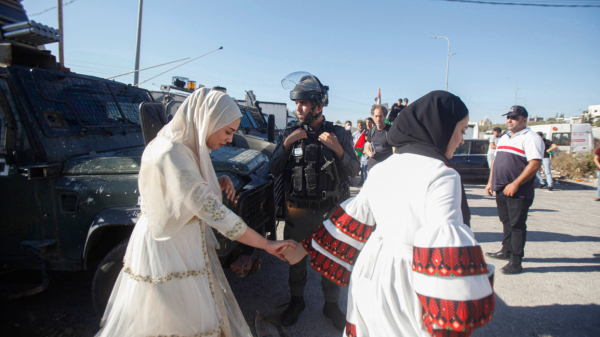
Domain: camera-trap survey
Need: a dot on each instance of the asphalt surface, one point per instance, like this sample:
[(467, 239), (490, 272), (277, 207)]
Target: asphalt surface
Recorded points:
[(556, 295)]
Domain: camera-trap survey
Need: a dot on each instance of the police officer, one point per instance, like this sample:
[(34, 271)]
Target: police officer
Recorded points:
[(317, 160)]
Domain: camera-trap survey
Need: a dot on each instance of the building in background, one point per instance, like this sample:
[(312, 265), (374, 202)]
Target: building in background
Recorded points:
[(594, 113), (535, 119), (485, 122)]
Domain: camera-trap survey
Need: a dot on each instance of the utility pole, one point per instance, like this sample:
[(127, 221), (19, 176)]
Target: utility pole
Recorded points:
[(136, 76), (61, 47), (448, 60)]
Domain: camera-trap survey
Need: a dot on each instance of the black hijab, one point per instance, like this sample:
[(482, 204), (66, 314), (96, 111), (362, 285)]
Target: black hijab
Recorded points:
[(425, 128)]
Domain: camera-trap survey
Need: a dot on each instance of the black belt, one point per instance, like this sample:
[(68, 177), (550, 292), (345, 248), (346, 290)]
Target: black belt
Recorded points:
[(312, 204)]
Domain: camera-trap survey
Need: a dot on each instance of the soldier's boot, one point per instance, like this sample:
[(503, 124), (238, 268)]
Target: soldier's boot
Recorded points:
[(333, 312), (291, 313)]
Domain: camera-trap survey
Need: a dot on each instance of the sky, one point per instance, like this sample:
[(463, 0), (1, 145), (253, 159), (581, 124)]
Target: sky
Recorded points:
[(354, 47)]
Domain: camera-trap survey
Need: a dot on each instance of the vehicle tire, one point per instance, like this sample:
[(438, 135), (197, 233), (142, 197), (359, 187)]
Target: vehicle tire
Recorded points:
[(106, 276)]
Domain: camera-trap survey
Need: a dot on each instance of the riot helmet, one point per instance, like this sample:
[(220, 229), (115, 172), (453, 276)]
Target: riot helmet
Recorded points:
[(307, 87)]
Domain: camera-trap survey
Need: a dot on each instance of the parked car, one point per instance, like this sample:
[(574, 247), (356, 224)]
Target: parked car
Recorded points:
[(470, 159)]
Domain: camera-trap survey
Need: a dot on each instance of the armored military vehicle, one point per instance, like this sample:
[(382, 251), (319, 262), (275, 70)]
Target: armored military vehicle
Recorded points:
[(70, 153)]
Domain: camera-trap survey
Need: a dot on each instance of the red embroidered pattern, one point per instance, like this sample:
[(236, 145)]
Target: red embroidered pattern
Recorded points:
[(450, 333), (449, 261), (326, 266), (350, 330), (337, 248), (459, 316), (351, 227)]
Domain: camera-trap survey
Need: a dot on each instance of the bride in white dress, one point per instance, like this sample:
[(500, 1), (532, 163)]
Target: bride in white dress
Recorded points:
[(172, 283)]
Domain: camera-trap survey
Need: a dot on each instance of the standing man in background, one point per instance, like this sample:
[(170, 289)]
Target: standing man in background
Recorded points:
[(496, 134), (348, 127), (395, 110), (405, 102), (597, 162), (548, 147), (359, 130), (364, 162), (518, 158), (377, 146)]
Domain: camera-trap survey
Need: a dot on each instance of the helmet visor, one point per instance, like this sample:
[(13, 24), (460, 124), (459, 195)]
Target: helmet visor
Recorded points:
[(302, 81)]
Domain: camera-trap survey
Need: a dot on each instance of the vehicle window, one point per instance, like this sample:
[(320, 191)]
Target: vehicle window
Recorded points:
[(561, 139), (82, 100), (463, 148), (480, 147)]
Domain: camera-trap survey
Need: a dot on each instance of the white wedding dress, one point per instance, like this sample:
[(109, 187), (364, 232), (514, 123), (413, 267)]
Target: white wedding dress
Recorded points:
[(172, 283)]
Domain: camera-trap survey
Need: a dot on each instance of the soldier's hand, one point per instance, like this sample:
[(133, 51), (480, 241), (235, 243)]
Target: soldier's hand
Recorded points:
[(294, 137), (331, 141)]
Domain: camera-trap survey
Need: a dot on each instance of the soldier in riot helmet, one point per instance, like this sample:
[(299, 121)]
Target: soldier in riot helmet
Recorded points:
[(317, 161)]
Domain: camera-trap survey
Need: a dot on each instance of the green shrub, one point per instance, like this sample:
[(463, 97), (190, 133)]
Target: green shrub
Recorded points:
[(574, 165)]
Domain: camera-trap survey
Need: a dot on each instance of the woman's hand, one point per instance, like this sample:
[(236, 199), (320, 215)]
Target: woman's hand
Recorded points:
[(277, 248), (227, 186)]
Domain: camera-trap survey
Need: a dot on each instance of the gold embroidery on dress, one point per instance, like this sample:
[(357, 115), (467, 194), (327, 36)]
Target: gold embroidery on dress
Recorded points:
[(235, 231), (216, 331), (161, 279), (214, 208)]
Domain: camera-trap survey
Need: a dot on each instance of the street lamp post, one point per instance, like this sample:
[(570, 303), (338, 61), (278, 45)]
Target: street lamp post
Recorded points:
[(516, 88), (136, 76), (448, 60)]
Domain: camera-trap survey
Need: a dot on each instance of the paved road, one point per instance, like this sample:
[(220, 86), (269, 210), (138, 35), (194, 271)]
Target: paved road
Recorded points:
[(557, 295)]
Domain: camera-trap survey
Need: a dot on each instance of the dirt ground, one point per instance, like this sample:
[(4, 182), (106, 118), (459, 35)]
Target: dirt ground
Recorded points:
[(556, 295)]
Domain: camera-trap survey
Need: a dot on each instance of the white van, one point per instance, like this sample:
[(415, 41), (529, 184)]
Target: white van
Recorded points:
[(570, 138), (472, 131)]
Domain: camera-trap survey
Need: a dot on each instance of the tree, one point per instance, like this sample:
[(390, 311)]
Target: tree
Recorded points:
[(360, 121), (338, 122)]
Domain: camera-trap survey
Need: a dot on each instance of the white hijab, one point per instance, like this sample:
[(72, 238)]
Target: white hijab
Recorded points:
[(177, 162)]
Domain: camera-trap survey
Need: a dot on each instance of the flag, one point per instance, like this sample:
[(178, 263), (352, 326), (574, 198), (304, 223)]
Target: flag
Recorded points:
[(379, 97), (360, 142)]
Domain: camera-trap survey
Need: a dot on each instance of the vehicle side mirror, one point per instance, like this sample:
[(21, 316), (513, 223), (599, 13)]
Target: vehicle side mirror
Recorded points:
[(271, 128)]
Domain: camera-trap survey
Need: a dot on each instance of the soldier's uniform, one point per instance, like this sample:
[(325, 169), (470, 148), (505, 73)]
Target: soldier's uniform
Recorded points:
[(315, 182)]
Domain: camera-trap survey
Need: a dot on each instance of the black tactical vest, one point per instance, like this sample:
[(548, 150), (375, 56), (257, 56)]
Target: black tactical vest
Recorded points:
[(311, 172)]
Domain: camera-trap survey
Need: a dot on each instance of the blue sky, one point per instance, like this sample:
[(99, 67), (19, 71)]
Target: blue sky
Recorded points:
[(354, 47)]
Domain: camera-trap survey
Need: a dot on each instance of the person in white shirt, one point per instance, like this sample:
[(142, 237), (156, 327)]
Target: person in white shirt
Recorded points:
[(402, 244), (497, 133)]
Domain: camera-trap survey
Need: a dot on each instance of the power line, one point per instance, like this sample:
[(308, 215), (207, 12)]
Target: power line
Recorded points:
[(51, 8), (522, 3), (180, 65)]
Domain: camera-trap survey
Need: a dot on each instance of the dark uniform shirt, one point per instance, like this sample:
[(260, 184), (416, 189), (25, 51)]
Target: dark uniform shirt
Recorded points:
[(348, 166)]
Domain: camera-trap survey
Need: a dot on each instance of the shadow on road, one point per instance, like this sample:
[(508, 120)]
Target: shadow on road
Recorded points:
[(537, 236), (575, 320), (561, 269), (492, 211), (595, 259)]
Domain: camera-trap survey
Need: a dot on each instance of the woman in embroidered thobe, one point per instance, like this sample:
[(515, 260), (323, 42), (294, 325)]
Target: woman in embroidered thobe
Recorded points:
[(420, 271), (172, 283)]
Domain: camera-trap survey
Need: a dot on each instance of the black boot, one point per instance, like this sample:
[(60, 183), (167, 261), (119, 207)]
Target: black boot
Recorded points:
[(333, 312), (513, 267), (291, 313), (499, 255)]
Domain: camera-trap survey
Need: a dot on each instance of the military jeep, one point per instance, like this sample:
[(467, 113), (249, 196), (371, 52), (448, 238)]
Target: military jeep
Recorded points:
[(70, 154)]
